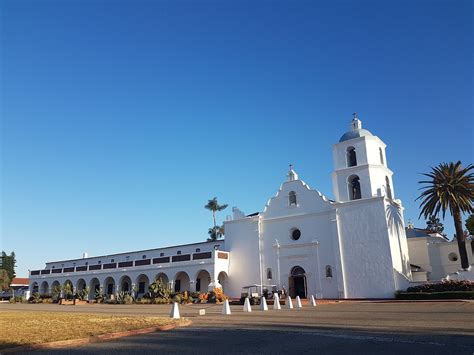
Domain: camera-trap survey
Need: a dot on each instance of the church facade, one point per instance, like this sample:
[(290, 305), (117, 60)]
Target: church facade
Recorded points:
[(351, 247)]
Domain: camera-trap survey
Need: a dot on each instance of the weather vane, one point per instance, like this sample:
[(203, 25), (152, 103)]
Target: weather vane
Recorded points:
[(355, 115)]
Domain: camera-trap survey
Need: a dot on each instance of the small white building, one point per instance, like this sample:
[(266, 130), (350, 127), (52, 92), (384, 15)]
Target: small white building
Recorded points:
[(432, 256), (351, 247)]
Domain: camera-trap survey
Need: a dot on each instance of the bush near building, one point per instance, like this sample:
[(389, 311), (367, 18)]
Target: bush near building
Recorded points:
[(449, 289)]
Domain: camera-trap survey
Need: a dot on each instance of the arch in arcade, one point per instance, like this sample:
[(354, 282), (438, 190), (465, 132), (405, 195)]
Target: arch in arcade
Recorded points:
[(163, 277), (203, 279), (44, 289), (181, 282), (34, 287), (142, 284), (223, 280), (81, 285), (109, 286), (125, 284), (94, 288)]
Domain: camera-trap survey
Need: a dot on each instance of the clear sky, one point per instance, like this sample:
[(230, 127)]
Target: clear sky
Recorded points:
[(120, 119)]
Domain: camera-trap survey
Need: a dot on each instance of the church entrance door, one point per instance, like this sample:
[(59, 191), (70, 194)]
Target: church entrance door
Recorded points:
[(297, 282)]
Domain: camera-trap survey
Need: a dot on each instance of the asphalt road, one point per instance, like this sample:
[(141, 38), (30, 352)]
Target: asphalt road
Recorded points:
[(341, 328)]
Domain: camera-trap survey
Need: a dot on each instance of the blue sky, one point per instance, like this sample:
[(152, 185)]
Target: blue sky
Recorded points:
[(120, 119)]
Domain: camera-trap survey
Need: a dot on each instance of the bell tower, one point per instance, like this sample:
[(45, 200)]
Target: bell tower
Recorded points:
[(360, 165)]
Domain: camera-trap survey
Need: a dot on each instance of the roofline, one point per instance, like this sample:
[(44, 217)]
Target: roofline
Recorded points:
[(134, 251)]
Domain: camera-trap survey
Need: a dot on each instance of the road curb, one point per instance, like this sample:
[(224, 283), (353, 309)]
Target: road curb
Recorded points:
[(93, 339)]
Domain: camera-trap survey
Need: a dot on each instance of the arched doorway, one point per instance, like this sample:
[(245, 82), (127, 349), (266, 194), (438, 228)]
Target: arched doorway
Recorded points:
[(34, 287), (223, 280), (44, 288), (203, 279), (297, 282), (55, 290), (68, 290), (81, 285), (181, 282), (109, 286), (125, 284), (94, 288), (142, 284)]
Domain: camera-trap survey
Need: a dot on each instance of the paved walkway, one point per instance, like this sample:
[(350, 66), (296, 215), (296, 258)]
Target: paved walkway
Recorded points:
[(355, 327)]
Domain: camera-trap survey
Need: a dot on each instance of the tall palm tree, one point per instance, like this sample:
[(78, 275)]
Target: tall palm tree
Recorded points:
[(450, 186), (213, 205)]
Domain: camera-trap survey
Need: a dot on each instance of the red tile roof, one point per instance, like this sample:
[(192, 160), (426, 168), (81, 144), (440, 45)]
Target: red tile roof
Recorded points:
[(20, 281)]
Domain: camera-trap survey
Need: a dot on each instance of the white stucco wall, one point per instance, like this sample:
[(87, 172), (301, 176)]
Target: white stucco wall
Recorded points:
[(366, 254), (432, 255), (242, 240)]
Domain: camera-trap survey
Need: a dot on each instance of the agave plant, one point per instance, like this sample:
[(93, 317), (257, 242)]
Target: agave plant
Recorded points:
[(450, 187)]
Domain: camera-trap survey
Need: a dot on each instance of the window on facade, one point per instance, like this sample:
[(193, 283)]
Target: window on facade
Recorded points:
[(381, 156), (351, 157), (328, 271), (141, 287), (112, 260), (143, 256), (178, 252), (292, 198), (87, 263), (162, 254), (387, 185), (269, 274), (354, 188), (198, 285), (53, 267), (198, 250), (295, 234), (453, 257), (99, 262)]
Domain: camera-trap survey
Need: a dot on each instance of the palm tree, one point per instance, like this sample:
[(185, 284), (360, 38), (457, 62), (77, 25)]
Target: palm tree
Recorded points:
[(215, 233), (213, 205), (450, 186)]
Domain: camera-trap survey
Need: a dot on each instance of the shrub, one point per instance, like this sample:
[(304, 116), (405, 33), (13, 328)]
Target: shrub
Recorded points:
[(159, 289), (464, 295), (443, 286), (177, 298)]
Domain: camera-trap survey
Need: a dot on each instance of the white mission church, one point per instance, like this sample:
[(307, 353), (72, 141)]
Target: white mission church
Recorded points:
[(351, 247)]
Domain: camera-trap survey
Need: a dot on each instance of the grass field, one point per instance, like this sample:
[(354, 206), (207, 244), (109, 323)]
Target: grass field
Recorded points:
[(27, 328)]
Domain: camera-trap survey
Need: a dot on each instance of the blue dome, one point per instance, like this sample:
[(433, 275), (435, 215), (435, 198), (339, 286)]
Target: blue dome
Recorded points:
[(355, 133)]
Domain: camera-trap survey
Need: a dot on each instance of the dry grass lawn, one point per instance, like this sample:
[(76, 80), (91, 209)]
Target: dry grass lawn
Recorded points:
[(26, 328)]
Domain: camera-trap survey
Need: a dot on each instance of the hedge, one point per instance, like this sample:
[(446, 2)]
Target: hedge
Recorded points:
[(460, 295)]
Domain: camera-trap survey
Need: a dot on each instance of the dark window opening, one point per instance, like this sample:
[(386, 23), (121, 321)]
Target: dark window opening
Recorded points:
[(269, 274), (141, 287), (198, 285), (295, 234), (389, 189), (328, 271), (351, 157), (354, 188), (178, 252), (381, 156), (292, 198)]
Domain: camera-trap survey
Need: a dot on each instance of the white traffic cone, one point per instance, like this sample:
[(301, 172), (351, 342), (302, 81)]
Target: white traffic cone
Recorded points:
[(289, 303), (226, 308), (247, 307), (263, 304), (276, 301), (175, 311), (313, 301), (298, 302)]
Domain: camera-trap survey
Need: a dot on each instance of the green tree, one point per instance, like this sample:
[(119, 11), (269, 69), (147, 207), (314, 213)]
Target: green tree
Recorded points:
[(433, 225), (215, 233), (5, 280), (470, 224), (8, 263), (450, 187)]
